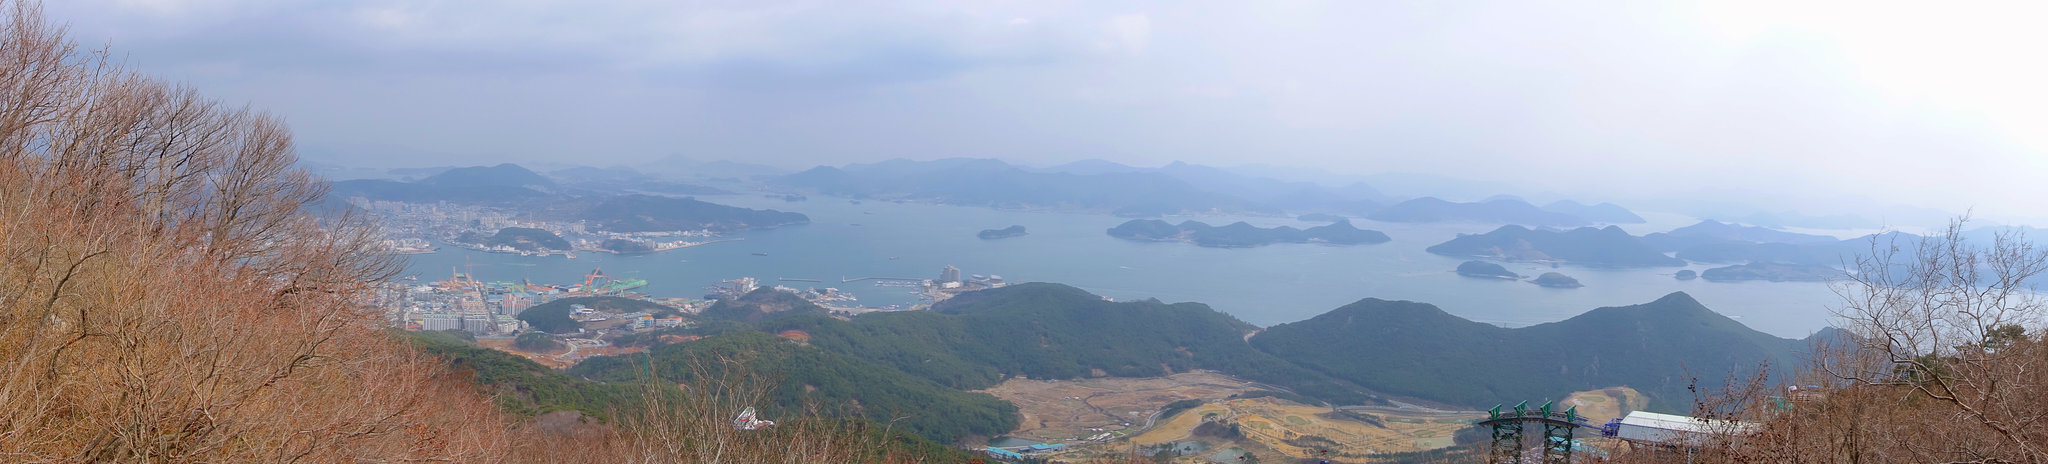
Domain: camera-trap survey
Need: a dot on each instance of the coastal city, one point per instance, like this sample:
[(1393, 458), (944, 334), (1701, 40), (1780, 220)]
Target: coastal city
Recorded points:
[(603, 307), (413, 228)]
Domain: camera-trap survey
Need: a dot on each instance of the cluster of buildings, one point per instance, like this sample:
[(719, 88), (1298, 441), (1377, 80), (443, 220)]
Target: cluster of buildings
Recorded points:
[(459, 303), (463, 303), (951, 280)]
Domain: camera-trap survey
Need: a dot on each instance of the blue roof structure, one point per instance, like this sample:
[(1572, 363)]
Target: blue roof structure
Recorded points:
[(1003, 453)]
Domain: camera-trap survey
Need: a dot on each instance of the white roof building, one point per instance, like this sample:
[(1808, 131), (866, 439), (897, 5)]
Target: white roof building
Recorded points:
[(1667, 429)]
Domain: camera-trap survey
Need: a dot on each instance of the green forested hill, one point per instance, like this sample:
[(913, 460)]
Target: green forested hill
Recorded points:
[(1415, 349), (759, 305), (1042, 330), (832, 380), (915, 366)]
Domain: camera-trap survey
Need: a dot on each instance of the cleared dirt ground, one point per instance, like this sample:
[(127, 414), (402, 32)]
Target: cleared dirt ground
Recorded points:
[(555, 359), (1598, 406), (1064, 411), (1069, 411), (1308, 431)]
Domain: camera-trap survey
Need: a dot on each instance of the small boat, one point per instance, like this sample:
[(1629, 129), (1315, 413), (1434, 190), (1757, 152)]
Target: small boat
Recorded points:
[(892, 258), (757, 253)]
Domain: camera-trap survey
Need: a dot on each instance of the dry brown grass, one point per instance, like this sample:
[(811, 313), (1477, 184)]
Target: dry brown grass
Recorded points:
[(169, 294), (1945, 363)]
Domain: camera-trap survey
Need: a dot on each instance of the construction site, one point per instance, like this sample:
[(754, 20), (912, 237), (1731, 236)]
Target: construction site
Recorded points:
[(1106, 417)]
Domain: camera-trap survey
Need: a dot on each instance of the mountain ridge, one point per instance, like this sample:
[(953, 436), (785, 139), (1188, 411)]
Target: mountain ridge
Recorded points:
[(1425, 352)]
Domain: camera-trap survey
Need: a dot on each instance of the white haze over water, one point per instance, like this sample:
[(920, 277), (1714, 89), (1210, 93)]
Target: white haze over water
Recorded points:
[(1819, 106)]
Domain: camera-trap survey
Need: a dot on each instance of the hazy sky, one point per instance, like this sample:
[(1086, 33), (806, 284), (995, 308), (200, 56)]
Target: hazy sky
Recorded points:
[(1937, 104)]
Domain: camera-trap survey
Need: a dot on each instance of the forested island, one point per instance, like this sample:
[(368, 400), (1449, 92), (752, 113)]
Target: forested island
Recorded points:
[(1774, 272), (1588, 246), (1006, 232), (1484, 269), (1243, 235), (1556, 280)]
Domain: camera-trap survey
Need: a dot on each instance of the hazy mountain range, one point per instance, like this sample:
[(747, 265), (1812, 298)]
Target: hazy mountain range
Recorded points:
[(1251, 188), (1241, 234), (1176, 188)]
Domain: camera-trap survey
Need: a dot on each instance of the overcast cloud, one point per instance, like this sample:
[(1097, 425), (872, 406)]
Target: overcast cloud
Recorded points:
[(1930, 104)]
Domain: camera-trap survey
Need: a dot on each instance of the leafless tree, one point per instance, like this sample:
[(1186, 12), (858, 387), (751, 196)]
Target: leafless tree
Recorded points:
[(1937, 363), (1946, 319), (168, 294)]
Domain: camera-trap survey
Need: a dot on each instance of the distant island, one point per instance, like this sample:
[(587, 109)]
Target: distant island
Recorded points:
[(648, 213), (1608, 213), (499, 185), (1687, 274), (1774, 272), (1556, 280), (1321, 217), (1610, 246), (1711, 232), (1498, 211), (996, 184), (517, 239), (1006, 232), (1242, 235), (1486, 270), (1712, 241)]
